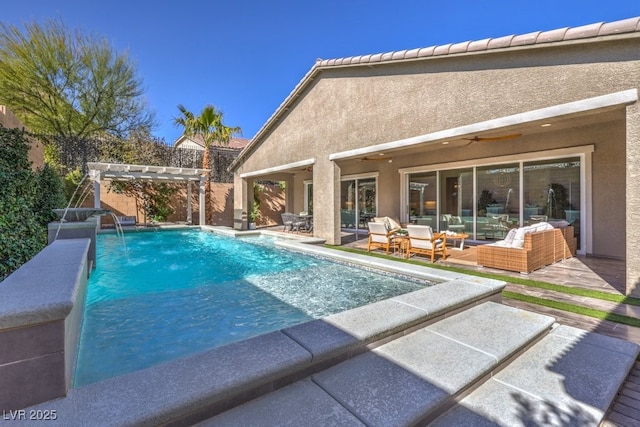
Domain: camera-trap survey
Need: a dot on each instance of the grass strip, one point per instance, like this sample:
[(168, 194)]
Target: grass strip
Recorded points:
[(605, 296), (598, 314)]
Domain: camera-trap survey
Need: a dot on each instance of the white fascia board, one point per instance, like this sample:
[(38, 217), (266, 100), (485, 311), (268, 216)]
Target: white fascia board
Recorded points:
[(142, 176), (280, 168)]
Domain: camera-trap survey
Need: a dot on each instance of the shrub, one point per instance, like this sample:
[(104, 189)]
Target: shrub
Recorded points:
[(26, 201), (49, 194)]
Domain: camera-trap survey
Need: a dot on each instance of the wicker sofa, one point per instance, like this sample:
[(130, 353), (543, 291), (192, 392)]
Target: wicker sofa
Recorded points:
[(540, 248)]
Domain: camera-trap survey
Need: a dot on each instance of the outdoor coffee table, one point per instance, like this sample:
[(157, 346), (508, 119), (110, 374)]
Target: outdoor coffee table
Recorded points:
[(457, 236)]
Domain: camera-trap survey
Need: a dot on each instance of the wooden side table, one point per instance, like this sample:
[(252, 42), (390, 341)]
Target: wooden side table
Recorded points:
[(402, 245), (457, 236)]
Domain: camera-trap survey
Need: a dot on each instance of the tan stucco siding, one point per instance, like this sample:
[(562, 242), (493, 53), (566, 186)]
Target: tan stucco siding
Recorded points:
[(633, 201), (609, 188)]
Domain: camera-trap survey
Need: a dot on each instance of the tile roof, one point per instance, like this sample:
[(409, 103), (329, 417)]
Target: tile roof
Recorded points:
[(534, 39), (599, 29), (237, 143)]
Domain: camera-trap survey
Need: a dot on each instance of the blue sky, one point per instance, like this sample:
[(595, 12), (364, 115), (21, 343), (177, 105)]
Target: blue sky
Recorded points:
[(245, 56)]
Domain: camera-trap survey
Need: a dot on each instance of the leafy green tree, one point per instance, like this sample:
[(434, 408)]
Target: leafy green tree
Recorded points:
[(68, 83), (209, 126)]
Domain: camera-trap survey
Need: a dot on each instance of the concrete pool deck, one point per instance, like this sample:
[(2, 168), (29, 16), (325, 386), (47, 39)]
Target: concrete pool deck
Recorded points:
[(195, 388)]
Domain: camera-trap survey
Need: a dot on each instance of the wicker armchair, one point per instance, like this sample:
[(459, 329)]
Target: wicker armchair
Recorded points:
[(540, 249)]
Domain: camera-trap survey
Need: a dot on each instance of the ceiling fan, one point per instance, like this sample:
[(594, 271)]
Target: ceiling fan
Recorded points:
[(376, 159), (492, 138)]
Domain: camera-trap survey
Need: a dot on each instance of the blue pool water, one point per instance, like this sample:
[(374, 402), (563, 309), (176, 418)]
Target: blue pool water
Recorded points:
[(159, 296)]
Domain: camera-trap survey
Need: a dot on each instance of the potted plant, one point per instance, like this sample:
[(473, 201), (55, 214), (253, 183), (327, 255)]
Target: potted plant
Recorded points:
[(254, 215)]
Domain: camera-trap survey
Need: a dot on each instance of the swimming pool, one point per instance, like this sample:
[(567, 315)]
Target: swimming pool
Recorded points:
[(159, 296)]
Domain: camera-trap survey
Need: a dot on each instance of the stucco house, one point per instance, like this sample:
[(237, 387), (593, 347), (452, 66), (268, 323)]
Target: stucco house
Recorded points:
[(196, 142), (496, 130)]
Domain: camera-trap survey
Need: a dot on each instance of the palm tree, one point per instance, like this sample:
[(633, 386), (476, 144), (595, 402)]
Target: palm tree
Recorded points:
[(210, 128)]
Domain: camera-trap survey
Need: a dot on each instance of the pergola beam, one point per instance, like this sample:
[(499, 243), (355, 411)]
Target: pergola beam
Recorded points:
[(149, 173)]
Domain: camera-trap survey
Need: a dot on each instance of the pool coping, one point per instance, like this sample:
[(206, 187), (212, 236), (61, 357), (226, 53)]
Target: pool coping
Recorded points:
[(199, 386)]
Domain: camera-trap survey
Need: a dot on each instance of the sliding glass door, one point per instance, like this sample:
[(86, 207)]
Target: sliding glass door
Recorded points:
[(308, 197), (423, 196), (358, 203), (456, 200), (552, 191), (488, 200), (498, 190)]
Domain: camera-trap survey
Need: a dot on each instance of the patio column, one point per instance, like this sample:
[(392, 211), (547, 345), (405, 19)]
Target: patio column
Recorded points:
[(189, 210), (326, 200), (240, 202), (202, 205), (633, 201)]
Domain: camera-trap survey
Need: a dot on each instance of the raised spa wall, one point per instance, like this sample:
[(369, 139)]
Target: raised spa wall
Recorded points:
[(87, 229), (41, 308)]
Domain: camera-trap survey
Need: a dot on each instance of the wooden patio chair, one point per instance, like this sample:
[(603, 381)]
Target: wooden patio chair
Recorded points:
[(422, 240), (380, 237)]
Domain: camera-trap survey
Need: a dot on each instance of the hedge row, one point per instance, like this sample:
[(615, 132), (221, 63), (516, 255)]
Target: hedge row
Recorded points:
[(26, 200)]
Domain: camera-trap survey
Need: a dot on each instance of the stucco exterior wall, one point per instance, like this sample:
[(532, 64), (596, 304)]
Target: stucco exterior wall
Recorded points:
[(633, 201)]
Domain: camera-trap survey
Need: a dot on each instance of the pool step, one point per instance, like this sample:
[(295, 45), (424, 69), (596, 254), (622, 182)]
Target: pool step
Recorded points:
[(570, 377), (410, 380)]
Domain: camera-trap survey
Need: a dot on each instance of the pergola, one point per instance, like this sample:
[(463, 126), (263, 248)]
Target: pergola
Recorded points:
[(167, 174)]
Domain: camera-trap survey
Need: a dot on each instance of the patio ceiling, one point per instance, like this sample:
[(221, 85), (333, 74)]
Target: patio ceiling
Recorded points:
[(125, 172)]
